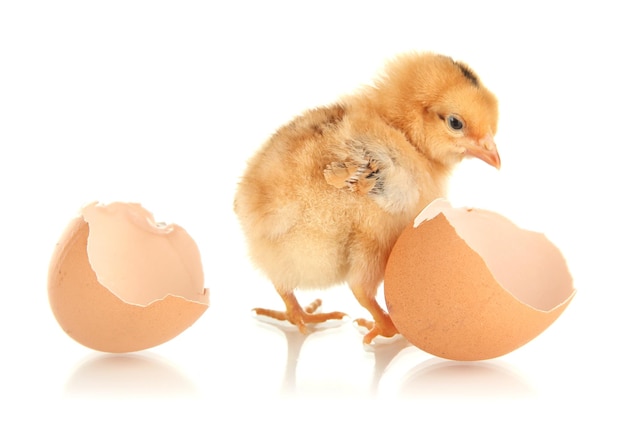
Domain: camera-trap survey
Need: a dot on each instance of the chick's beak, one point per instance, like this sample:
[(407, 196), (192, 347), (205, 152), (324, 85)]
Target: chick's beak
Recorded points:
[(485, 149)]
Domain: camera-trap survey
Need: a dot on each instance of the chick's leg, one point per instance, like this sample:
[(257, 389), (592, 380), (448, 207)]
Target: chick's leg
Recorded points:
[(297, 315), (382, 324)]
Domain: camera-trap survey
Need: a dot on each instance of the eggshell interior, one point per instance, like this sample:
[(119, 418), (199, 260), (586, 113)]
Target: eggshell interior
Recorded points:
[(140, 260), (119, 283), (468, 284)]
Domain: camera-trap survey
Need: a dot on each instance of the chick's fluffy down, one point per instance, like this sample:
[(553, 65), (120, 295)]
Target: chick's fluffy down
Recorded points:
[(325, 198)]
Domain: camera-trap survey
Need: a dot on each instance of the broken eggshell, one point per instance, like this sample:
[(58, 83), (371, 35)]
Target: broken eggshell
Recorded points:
[(468, 284), (119, 282)]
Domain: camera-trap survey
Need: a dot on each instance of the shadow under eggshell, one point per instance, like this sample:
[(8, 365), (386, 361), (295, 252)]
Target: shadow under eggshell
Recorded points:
[(444, 299), (95, 317)]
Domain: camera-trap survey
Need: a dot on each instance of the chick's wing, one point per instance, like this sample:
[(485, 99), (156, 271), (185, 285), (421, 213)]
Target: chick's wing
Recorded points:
[(358, 173), (373, 167)]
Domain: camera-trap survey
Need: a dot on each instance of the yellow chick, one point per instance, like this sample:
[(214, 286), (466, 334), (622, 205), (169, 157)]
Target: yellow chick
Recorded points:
[(325, 198)]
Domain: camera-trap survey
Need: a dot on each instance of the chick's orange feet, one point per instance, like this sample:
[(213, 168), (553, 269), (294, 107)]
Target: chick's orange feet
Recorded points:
[(383, 327), (381, 324), (298, 316)]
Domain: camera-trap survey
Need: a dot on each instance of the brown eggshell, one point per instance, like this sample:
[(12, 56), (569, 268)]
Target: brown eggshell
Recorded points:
[(467, 284), (96, 317)]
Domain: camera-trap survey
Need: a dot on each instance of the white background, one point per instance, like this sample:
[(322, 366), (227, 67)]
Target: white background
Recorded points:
[(162, 103)]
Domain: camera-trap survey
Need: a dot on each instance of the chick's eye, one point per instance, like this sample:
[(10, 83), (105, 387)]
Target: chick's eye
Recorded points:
[(454, 122)]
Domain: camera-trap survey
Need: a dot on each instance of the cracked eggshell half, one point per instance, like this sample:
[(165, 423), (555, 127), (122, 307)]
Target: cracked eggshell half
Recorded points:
[(119, 282), (468, 284)]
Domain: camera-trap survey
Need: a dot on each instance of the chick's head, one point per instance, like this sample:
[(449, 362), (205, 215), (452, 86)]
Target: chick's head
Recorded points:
[(442, 106)]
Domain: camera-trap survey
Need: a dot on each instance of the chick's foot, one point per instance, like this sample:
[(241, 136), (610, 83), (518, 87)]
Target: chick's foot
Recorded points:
[(384, 328), (301, 317)]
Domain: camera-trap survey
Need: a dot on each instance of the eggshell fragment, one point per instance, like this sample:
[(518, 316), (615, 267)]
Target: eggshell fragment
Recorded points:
[(119, 282), (468, 284)]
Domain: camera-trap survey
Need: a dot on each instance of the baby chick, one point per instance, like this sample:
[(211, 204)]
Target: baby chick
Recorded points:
[(325, 198)]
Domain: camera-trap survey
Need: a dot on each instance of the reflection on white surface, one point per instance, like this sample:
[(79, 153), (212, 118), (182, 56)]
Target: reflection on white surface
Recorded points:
[(443, 378), (384, 353), (128, 375), (295, 340), (394, 368)]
